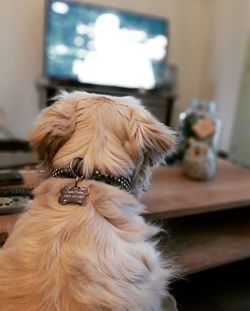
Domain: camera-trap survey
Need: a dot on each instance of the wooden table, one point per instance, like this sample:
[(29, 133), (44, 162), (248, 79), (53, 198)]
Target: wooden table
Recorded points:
[(208, 222), (173, 195)]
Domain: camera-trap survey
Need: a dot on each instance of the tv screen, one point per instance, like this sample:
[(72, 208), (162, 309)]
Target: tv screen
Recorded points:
[(102, 46)]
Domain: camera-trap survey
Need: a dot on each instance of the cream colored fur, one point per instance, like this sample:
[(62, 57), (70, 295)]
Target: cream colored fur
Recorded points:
[(99, 257)]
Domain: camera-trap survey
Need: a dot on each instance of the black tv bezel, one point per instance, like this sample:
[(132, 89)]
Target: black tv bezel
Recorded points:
[(67, 82)]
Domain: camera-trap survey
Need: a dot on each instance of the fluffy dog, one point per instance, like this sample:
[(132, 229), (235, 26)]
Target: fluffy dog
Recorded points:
[(99, 256)]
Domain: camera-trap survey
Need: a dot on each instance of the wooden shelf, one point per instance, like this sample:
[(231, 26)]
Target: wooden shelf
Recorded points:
[(173, 195), (160, 101), (199, 243)]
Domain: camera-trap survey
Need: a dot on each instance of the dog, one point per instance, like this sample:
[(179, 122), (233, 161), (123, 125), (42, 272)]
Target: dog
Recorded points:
[(82, 243)]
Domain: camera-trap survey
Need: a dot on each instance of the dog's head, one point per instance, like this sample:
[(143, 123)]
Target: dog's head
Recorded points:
[(113, 134)]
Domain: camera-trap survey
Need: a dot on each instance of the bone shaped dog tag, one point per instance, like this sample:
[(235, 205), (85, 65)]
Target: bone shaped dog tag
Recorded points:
[(73, 195)]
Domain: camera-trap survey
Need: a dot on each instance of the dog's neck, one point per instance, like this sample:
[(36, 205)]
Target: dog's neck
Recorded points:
[(116, 181)]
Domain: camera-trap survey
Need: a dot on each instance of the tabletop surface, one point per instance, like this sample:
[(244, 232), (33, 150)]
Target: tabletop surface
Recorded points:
[(173, 195)]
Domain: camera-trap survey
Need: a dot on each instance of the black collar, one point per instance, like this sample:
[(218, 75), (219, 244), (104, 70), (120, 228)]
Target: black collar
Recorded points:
[(117, 181)]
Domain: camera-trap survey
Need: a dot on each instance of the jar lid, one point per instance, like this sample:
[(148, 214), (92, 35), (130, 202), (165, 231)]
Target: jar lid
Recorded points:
[(205, 106)]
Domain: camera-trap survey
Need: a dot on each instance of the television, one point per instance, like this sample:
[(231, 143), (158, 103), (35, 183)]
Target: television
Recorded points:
[(97, 45)]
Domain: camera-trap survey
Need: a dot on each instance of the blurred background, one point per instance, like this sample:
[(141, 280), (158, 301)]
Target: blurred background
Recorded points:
[(208, 44)]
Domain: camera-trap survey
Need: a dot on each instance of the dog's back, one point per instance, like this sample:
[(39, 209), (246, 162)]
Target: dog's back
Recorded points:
[(96, 256), (72, 258)]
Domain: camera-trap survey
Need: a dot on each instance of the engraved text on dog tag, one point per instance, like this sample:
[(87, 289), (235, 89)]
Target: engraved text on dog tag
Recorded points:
[(73, 195)]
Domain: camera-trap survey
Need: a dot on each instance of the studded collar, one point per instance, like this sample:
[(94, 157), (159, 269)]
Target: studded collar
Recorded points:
[(117, 181)]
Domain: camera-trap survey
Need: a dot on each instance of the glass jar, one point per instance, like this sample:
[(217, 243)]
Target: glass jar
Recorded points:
[(199, 123)]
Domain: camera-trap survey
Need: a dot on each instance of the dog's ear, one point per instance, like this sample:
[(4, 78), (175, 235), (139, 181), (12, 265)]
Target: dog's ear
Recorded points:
[(152, 138), (53, 128)]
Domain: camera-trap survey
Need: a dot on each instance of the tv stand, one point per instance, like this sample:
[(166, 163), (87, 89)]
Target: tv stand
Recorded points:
[(160, 102)]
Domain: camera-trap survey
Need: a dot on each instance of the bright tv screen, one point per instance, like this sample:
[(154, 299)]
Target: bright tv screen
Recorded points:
[(103, 46)]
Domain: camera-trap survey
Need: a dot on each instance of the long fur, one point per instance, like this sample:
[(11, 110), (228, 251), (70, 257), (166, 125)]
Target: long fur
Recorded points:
[(99, 257)]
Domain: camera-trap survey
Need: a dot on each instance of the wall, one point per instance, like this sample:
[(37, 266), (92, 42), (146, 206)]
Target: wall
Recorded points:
[(240, 144), (231, 31), (204, 40), (21, 27)]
